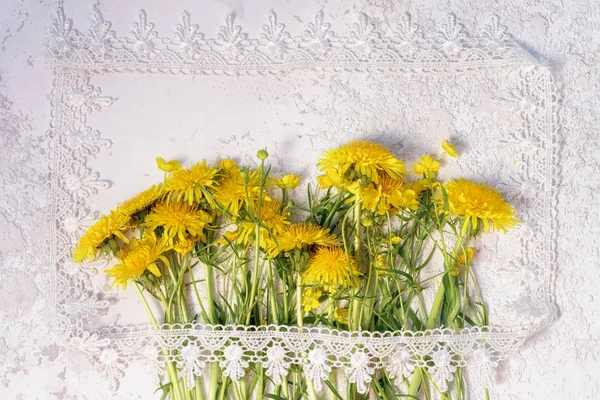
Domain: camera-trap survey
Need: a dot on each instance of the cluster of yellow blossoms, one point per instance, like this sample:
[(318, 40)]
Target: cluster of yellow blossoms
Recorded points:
[(173, 216)]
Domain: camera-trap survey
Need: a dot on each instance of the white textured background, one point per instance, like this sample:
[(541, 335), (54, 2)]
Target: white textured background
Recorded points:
[(560, 363)]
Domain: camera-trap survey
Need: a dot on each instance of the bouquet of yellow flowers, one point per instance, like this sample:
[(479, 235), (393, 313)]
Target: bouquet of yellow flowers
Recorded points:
[(355, 256)]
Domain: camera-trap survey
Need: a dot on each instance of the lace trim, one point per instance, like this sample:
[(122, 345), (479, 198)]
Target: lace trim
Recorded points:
[(76, 57)]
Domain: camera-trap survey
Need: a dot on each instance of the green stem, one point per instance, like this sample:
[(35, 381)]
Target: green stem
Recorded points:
[(210, 293), (255, 272), (415, 383), (357, 308), (435, 308), (299, 311), (212, 318), (171, 371), (272, 296)]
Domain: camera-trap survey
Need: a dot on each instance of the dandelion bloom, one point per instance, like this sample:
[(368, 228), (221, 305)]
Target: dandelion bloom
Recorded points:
[(332, 178), (461, 261), (167, 166), (366, 158), (272, 217), (108, 226), (289, 181), (188, 184), (302, 234), (449, 149), (341, 315), (382, 197), (427, 166), (331, 268), (178, 219), (310, 299), (141, 201), (138, 256), (478, 202), (232, 193), (184, 246)]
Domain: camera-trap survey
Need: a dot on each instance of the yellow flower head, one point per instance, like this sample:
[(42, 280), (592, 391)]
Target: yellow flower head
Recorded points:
[(138, 256), (332, 178), (421, 184), (381, 264), (382, 197), (331, 268), (449, 149), (232, 194), (289, 181), (302, 234), (107, 227), (271, 217), (427, 166), (178, 219), (184, 246), (460, 260), (476, 202), (141, 201), (408, 198), (167, 166), (341, 315), (187, 184), (396, 239), (366, 158), (310, 298), (228, 166)]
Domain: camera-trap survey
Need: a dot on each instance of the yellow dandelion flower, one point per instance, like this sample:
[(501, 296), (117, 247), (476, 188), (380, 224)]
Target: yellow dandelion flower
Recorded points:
[(331, 268), (141, 201), (381, 265), (421, 184), (382, 197), (178, 219), (289, 181), (138, 256), (167, 166), (184, 246), (310, 298), (461, 261), (366, 158), (341, 315), (107, 227), (396, 239), (427, 166), (332, 178), (302, 234), (478, 202), (449, 149), (271, 217), (187, 184), (232, 194), (408, 198), (228, 166)]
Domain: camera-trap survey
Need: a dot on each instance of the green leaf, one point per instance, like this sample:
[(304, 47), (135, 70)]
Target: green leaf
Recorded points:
[(274, 396), (395, 271), (166, 388), (335, 392)]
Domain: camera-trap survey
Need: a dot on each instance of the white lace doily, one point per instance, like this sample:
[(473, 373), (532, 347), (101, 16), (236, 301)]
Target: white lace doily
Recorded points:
[(502, 107)]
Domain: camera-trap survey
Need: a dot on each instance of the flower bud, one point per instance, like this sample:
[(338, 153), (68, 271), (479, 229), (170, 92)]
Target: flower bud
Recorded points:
[(367, 222), (262, 154)]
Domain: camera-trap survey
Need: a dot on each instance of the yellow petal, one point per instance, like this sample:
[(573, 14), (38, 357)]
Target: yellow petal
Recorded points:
[(167, 166), (449, 149), (154, 269)]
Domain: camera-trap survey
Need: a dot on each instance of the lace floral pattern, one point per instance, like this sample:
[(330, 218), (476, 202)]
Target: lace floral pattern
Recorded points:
[(531, 99)]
